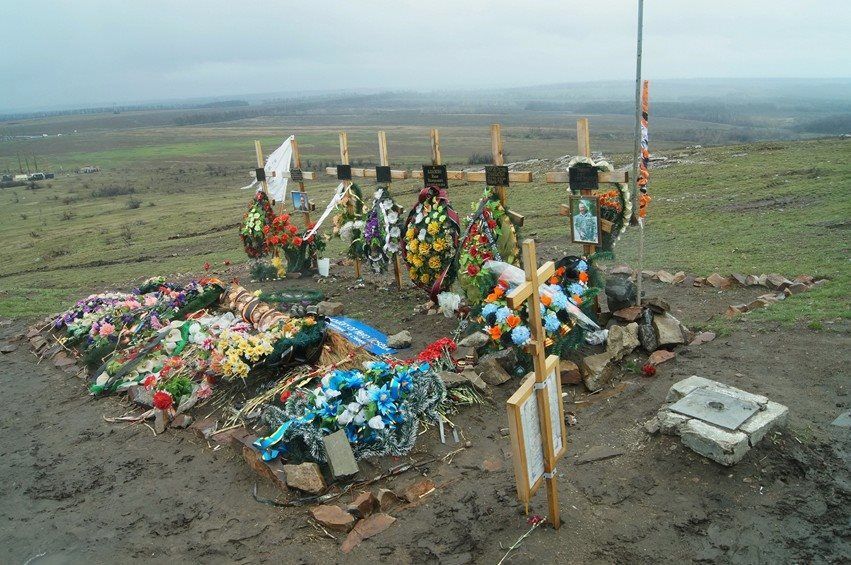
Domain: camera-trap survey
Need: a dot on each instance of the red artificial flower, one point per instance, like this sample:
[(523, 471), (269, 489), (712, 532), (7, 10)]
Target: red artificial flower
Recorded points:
[(149, 381), (163, 400), (648, 369), (266, 229), (491, 224), (475, 229), (311, 225), (292, 229), (474, 251), (483, 239), (297, 241), (284, 239), (472, 270), (206, 265), (285, 395), (535, 519)]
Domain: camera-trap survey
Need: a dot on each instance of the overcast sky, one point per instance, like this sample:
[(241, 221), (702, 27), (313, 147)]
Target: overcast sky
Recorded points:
[(65, 53)]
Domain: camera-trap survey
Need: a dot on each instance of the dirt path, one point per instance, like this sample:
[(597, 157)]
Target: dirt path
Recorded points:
[(77, 489)]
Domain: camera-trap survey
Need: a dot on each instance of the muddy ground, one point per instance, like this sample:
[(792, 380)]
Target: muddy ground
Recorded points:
[(78, 489)]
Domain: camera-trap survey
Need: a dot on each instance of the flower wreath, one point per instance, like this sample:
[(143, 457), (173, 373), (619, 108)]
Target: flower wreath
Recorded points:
[(383, 230), (348, 226), (259, 215), (490, 236), (282, 235), (431, 240), (615, 205)]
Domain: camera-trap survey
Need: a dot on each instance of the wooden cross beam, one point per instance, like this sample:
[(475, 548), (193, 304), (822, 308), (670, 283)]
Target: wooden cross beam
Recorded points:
[(583, 140), (347, 182), (384, 161), (295, 174), (437, 160), (498, 176), (536, 410), (366, 172)]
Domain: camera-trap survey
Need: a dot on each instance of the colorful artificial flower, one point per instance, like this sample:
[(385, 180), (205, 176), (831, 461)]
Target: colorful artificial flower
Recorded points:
[(163, 400)]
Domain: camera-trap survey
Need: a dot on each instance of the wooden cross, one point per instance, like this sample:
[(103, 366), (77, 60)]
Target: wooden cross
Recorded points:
[(498, 176), (583, 140), (384, 161), (436, 159), (536, 410), (366, 172), (350, 205), (295, 174)]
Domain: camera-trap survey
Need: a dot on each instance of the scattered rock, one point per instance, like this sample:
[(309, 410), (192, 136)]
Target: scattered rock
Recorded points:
[(491, 465), (718, 281), (339, 454), (758, 303), (752, 280), (777, 282), (796, 288), (668, 330), (306, 477), (722, 446), (492, 372), (702, 337), (273, 471), (570, 374), (699, 281), (598, 453), (400, 340), (657, 305), (140, 395), (597, 370), (204, 428), (622, 270), (804, 279), (652, 426), (629, 314), (736, 309), (468, 354), (181, 421), (740, 279), (387, 499), (363, 505), (417, 490), (160, 421), (333, 517), (665, 277), (622, 340), (646, 333), (8, 348), (679, 277), (660, 356), (620, 292), (507, 358), (474, 379), (326, 308), (476, 339), (365, 529), (451, 379)]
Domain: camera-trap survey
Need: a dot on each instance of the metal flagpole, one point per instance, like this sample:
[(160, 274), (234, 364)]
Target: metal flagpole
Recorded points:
[(637, 152)]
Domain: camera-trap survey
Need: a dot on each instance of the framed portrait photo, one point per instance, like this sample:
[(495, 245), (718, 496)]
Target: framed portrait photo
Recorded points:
[(585, 224), (300, 201)]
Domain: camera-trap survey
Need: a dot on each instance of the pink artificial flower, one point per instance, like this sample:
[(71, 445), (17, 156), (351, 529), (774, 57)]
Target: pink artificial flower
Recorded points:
[(106, 329), (132, 303), (155, 323), (150, 300), (204, 391)]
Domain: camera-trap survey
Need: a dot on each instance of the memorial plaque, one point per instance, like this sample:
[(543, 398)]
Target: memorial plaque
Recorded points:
[(382, 174), (496, 175), (435, 175), (583, 178), (260, 174), (344, 172), (296, 175)]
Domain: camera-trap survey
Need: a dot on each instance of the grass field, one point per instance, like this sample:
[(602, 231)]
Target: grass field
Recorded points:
[(769, 207)]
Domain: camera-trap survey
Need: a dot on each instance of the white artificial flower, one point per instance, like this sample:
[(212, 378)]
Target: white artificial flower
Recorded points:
[(386, 204), (378, 193), (360, 418), (332, 393), (359, 224), (448, 303), (362, 396), (345, 418), (395, 231), (392, 217), (392, 247), (376, 423), (326, 380), (422, 235), (418, 218)]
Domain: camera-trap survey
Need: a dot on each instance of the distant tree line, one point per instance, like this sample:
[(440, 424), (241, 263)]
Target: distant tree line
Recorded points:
[(833, 125)]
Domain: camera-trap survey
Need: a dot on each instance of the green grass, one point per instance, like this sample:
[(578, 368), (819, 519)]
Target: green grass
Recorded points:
[(782, 207)]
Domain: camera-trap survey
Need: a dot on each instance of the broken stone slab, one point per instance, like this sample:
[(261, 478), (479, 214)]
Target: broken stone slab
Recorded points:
[(451, 379), (685, 386), (181, 421), (702, 337), (8, 348), (758, 303), (752, 280), (365, 529), (804, 279), (598, 453), (326, 308), (387, 499), (205, 427), (718, 281), (679, 277), (570, 374), (668, 330), (507, 358), (273, 471), (339, 454), (305, 477), (160, 421), (333, 517), (401, 340), (660, 356), (720, 445), (363, 505), (474, 379), (656, 305), (491, 465), (622, 340), (492, 372), (670, 422), (665, 277), (699, 281), (796, 288), (467, 354), (597, 370), (740, 279), (735, 309), (843, 420), (476, 339), (773, 414), (622, 270), (777, 282), (140, 395), (630, 314), (647, 338)]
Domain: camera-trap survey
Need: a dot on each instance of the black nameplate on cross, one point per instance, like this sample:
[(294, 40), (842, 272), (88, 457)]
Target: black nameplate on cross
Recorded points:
[(260, 174), (435, 175), (583, 178), (382, 174), (296, 175), (496, 175), (344, 172)]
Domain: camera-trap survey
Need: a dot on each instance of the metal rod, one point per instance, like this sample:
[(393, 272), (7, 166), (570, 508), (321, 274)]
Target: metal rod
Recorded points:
[(636, 154)]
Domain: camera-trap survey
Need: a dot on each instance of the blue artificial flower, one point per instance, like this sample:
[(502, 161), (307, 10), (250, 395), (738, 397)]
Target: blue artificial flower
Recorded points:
[(502, 314), (383, 399), (328, 409), (406, 381), (351, 433), (354, 380), (582, 266), (489, 309), (559, 301), (521, 335), (576, 288), (551, 322)]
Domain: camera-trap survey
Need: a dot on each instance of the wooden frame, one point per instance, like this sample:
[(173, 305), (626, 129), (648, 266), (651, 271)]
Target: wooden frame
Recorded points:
[(526, 399), (577, 198)]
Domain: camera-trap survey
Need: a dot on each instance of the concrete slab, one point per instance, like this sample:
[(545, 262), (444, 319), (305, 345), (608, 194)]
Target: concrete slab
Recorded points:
[(714, 443), (774, 415)]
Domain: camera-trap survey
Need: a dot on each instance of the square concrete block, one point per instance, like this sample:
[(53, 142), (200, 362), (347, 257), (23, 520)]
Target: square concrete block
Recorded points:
[(670, 422), (685, 386), (714, 443), (762, 422)]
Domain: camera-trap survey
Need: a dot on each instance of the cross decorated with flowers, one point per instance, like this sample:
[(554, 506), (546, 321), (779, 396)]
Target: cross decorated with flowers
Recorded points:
[(535, 410)]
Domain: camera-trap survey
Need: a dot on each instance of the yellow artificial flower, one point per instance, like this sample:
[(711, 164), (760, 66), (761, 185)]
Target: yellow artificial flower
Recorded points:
[(439, 245), (425, 247), (424, 278), (410, 233), (412, 246), (433, 228), (413, 274), (434, 262)]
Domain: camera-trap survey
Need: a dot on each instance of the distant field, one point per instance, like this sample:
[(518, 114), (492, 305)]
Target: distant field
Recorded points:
[(765, 207)]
